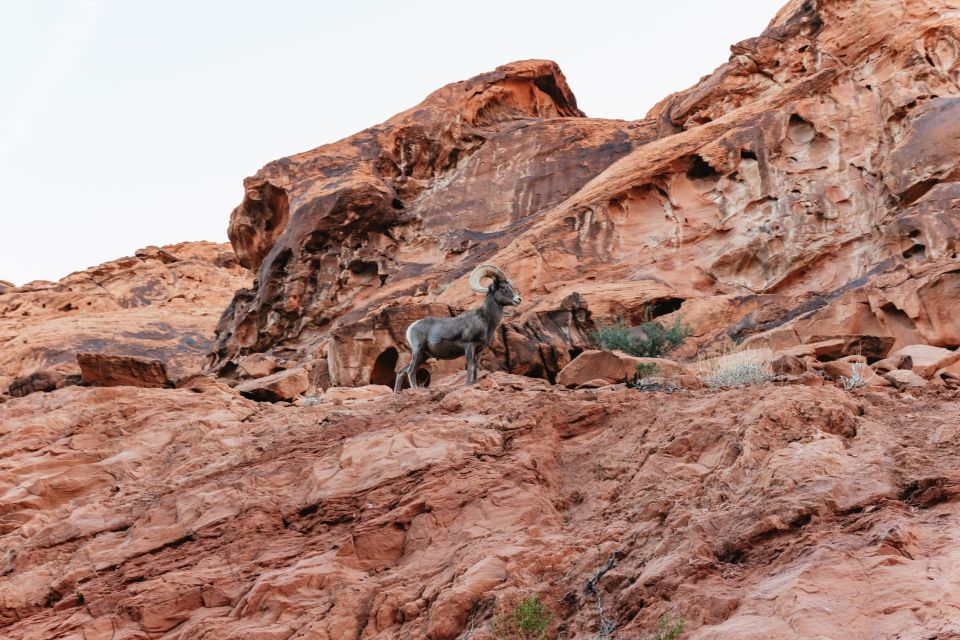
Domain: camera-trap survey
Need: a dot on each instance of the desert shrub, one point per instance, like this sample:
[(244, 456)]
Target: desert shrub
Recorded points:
[(668, 629), (648, 370), (736, 368), (856, 379), (528, 620), (650, 339)]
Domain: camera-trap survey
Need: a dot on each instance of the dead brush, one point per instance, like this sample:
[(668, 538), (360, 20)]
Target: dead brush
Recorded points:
[(736, 367)]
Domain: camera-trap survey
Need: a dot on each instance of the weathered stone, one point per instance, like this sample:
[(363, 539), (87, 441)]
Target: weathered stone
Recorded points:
[(40, 381), (927, 359), (140, 307), (284, 385), (903, 379), (611, 366), (596, 383), (258, 365), (105, 370), (787, 365), (836, 369), (893, 362), (339, 395)]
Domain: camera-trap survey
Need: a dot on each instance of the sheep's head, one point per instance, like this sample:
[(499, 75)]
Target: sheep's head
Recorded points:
[(501, 288)]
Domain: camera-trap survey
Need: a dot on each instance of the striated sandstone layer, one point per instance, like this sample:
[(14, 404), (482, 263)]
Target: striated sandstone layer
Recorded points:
[(785, 512), (807, 189), (162, 303), (802, 196)]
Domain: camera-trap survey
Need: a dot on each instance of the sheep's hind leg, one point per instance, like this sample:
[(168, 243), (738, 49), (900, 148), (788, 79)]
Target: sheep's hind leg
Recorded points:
[(418, 358)]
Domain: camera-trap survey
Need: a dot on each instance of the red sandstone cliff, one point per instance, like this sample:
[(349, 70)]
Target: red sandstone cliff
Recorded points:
[(805, 192)]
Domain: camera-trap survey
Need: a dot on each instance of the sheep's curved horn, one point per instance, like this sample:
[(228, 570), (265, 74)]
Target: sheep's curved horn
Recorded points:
[(486, 271)]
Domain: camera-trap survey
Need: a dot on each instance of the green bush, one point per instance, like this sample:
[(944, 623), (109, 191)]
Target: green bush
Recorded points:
[(668, 629), (528, 621), (648, 370), (653, 340)]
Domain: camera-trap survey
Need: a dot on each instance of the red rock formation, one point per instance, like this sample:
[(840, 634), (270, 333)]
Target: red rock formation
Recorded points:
[(803, 191), (802, 196), (161, 303), (755, 513)]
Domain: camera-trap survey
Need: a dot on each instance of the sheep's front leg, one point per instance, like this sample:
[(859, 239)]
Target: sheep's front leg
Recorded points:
[(476, 363), (470, 349)]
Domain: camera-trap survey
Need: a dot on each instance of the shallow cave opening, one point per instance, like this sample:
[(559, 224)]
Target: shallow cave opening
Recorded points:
[(746, 154), (701, 170), (423, 377), (385, 367), (916, 251), (385, 370), (363, 268), (316, 242), (663, 306)]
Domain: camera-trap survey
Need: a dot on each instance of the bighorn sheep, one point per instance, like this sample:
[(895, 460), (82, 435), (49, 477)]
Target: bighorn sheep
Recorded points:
[(468, 334)]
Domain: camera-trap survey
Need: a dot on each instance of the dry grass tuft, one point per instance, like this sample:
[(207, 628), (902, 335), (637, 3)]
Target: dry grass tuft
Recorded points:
[(736, 367)]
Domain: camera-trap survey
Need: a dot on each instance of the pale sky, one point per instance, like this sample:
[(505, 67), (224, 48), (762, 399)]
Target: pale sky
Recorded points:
[(126, 123)]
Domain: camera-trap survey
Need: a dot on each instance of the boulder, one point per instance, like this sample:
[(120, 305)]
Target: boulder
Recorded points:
[(103, 370), (893, 362), (339, 395), (283, 385), (836, 369), (948, 375), (688, 381), (201, 382), (807, 379), (40, 381), (611, 366), (596, 383), (903, 379), (928, 359), (788, 365), (258, 365), (828, 348)]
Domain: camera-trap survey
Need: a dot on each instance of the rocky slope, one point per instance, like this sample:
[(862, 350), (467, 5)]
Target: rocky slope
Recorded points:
[(160, 303), (786, 512), (802, 197)]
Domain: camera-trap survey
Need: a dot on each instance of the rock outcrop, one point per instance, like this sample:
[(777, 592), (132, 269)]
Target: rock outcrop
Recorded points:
[(102, 370), (755, 512), (162, 303), (804, 191), (800, 199)]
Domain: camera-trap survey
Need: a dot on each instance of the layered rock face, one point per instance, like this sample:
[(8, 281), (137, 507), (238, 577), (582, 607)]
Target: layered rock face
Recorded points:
[(161, 303), (801, 197), (805, 190), (781, 512)]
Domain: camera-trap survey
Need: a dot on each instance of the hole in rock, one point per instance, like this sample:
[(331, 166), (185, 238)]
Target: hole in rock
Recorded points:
[(701, 170), (384, 368), (663, 306), (575, 352), (800, 131), (423, 377), (916, 251), (363, 268), (397, 203), (746, 154), (316, 242), (536, 371)]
